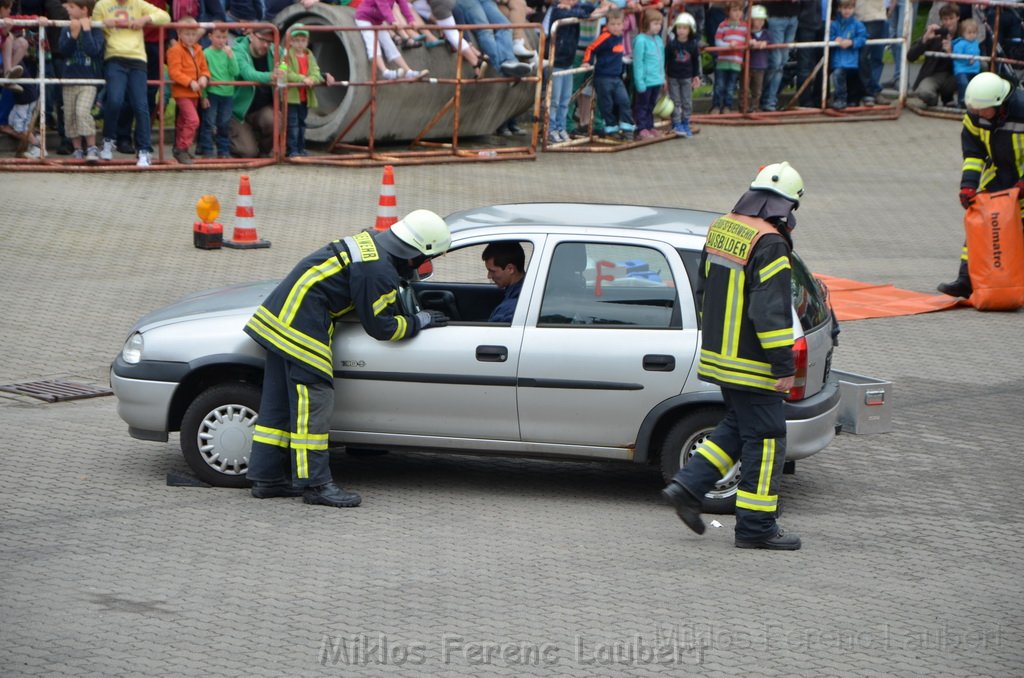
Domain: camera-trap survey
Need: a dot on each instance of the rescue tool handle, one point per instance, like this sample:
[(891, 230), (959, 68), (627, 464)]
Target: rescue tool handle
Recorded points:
[(492, 354)]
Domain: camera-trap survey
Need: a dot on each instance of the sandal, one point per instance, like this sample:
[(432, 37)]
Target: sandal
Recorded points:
[(409, 43)]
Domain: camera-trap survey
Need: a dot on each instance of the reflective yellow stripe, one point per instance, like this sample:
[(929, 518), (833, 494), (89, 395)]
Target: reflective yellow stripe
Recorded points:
[(301, 340), (757, 502), (384, 301), (777, 266), (716, 455), (986, 177), (287, 348), (733, 313), (401, 327), (271, 436), (338, 314), (738, 378), (963, 253), (973, 165), (764, 478), (315, 274), (754, 366), (311, 441), (1017, 151), (301, 430), (776, 338), (969, 124)]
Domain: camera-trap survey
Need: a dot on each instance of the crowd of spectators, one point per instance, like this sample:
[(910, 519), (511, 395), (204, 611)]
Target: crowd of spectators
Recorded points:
[(641, 51)]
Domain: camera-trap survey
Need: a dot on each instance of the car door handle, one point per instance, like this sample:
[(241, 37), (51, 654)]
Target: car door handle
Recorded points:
[(659, 363), (491, 354)]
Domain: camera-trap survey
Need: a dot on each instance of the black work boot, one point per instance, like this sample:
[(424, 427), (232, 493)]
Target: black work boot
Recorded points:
[(330, 494), (782, 541), (961, 287), (687, 506), (263, 490)]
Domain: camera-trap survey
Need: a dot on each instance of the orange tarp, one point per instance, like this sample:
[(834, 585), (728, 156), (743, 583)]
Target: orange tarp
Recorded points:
[(854, 300)]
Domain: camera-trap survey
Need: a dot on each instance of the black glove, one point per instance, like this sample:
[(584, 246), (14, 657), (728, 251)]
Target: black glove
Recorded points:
[(967, 196), (431, 319)]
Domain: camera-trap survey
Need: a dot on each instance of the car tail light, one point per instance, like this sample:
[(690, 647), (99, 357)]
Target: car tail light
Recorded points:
[(800, 379)]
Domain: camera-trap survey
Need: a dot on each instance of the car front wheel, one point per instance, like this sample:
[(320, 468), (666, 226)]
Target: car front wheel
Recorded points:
[(216, 433), (681, 444)]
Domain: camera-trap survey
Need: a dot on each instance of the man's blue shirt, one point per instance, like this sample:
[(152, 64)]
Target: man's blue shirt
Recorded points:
[(504, 311)]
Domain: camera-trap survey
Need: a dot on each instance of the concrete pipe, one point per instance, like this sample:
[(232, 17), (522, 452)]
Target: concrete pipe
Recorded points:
[(402, 110)]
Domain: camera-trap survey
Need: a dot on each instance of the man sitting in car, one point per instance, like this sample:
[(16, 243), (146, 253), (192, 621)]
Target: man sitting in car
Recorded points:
[(505, 261)]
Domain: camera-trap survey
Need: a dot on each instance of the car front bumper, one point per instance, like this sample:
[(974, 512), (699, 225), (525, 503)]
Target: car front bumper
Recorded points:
[(144, 402)]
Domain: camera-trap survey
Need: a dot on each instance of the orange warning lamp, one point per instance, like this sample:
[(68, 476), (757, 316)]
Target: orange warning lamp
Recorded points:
[(206, 233), (208, 209)]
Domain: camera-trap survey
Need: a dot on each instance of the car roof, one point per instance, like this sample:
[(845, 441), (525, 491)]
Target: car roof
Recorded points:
[(669, 220)]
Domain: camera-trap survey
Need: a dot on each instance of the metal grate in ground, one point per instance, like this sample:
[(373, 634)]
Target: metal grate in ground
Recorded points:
[(55, 391)]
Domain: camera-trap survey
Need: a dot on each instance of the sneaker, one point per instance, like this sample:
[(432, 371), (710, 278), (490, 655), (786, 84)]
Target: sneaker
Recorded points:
[(330, 494), (867, 101), (77, 154), (679, 130), (65, 147), (839, 105), (563, 135), (126, 147), (687, 506), (647, 134), (515, 69), (34, 152), (144, 159), (554, 137), (520, 49), (416, 75), (92, 155), (390, 74), (108, 150), (262, 490), (610, 130), (180, 154), (686, 129), (780, 542), (627, 126)]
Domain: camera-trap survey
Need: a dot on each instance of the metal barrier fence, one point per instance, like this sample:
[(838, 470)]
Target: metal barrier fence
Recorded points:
[(339, 152)]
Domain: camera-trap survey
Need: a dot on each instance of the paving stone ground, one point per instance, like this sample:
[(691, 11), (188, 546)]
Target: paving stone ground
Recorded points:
[(474, 566)]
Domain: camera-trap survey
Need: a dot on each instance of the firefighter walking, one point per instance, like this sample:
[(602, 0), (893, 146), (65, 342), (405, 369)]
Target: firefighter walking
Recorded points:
[(992, 140), (295, 325), (746, 348)]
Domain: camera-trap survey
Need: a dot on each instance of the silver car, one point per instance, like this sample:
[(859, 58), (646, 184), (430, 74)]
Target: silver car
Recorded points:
[(599, 361)]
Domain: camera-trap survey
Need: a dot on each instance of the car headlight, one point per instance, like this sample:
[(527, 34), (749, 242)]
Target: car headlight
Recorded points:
[(132, 351)]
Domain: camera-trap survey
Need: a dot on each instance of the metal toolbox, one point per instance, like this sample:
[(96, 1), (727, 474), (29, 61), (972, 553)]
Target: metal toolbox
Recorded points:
[(865, 403)]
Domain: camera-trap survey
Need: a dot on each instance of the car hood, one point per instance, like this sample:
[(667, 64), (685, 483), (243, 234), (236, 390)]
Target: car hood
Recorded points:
[(232, 300)]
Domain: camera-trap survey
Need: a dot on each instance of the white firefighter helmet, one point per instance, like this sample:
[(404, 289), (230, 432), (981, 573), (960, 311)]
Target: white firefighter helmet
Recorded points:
[(780, 178), (686, 19), (425, 231), (759, 12), (986, 90)]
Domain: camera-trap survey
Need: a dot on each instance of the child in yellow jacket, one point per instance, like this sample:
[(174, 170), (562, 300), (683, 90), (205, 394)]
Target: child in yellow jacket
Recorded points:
[(300, 66), (190, 75)]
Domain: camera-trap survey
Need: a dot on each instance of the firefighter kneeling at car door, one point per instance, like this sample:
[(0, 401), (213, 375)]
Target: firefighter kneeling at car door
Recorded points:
[(747, 349), (295, 325), (992, 142)]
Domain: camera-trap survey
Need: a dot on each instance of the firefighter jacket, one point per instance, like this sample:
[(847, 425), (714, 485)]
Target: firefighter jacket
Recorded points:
[(747, 317), (994, 149), (296, 320)]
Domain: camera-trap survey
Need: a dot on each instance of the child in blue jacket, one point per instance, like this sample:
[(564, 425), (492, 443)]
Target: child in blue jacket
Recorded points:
[(849, 35), (81, 50), (967, 44), (648, 70)]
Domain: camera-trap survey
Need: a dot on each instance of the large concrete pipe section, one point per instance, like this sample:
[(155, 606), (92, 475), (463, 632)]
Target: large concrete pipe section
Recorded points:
[(402, 110)]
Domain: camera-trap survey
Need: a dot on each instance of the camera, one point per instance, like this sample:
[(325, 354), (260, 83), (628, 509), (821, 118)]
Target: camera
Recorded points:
[(943, 32)]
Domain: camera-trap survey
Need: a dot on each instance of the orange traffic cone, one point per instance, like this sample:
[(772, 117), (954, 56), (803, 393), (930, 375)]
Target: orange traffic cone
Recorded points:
[(387, 206), (244, 237)]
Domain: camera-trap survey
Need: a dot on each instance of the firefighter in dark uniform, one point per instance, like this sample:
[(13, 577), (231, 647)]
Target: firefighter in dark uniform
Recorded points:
[(992, 140), (295, 325), (747, 349)]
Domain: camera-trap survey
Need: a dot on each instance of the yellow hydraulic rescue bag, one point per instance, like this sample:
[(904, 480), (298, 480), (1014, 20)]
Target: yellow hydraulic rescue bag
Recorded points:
[(995, 251)]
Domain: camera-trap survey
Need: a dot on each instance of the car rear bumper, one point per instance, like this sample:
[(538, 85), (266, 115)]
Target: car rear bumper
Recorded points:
[(143, 404), (811, 423)]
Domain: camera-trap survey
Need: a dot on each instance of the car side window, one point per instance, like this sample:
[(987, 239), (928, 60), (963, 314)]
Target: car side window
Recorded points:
[(809, 298), (609, 285)]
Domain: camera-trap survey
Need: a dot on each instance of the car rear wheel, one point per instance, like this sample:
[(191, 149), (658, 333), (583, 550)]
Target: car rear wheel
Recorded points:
[(216, 433), (681, 444)]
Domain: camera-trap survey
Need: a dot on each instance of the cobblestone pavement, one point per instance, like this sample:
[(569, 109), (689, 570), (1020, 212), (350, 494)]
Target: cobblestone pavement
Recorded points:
[(471, 566)]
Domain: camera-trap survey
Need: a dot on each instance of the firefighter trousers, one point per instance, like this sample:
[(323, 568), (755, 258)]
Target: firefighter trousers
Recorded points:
[(753, 432), (289, 444)]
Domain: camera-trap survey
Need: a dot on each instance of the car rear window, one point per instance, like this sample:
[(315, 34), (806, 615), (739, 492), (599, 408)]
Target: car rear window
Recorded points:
[(809, 299)]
